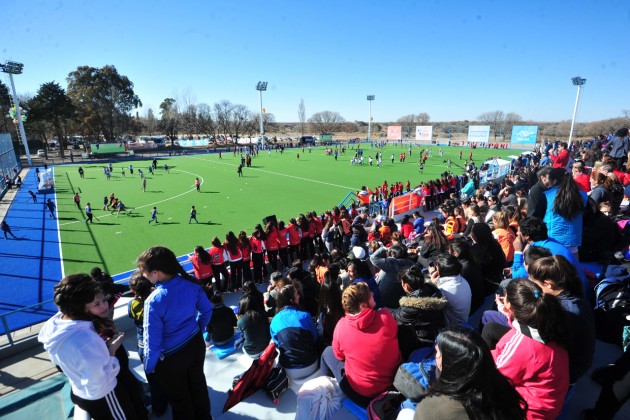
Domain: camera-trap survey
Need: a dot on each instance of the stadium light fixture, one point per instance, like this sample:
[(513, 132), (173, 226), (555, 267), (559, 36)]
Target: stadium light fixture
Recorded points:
[(370, 98), (579, 82), (11, 68), (261, 87)]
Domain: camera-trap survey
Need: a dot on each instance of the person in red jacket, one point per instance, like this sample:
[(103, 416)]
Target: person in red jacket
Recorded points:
[(561, 158), (532, 354), (272, 244), (217, 259), (364, 355), (235, 258), (283, 244), (294, 239), (256, 241), (201, 265), (246, 251)]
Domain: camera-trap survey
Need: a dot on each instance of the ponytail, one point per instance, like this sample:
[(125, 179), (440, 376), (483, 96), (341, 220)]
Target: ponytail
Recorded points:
[(569, 202), (162, 259), (531, 307)]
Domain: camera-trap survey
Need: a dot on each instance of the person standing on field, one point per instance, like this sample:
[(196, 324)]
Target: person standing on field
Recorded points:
[(88, 214), (77, 200), (193, 215), (197, 185), (154, 214), (51, 208)]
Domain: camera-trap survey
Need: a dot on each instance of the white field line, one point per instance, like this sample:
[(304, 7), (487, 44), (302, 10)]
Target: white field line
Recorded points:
[(281, 174), (156, 202)]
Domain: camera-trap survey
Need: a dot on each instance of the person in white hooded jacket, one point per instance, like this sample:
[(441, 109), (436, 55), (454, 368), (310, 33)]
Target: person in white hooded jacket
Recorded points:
[(82, 355)]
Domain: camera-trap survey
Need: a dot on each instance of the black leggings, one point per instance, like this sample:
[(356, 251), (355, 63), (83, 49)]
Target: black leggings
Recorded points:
[(294, 252), (283, 253), (217, 270), (272, 256), (236, 274), (259, 262), (183, 381)]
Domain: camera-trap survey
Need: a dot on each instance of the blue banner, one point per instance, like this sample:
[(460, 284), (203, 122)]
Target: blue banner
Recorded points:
[(524, 134)]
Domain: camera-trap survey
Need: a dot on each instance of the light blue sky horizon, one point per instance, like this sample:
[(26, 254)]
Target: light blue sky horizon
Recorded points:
[(453, 60)]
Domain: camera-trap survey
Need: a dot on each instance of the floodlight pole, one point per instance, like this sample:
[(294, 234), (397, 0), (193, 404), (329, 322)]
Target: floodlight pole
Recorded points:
[(577, 81), (16, 68), (260, 87), (370, 98)]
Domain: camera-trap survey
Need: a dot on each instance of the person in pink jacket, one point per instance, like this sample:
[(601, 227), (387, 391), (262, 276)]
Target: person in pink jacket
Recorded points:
[(532, 355), (364, 347)]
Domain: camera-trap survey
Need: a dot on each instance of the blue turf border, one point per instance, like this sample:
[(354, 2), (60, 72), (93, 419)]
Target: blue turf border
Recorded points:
[(31, 265)]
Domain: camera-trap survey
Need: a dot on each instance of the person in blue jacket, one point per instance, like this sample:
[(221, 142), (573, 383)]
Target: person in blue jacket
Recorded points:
[(532, 231), (175, 314), (565, 210), (295, 335)]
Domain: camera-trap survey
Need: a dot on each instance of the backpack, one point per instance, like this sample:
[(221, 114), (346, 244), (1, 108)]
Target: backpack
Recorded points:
[(413, 378), (385, 406), (612, 306), (277, 383)]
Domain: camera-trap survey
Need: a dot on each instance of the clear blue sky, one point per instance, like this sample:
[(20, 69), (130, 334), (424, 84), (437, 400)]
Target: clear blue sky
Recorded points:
[(450, 59)]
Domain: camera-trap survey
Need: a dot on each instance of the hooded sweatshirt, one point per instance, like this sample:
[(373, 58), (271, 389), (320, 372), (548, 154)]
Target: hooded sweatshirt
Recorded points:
[(78, 350), (368, 344)]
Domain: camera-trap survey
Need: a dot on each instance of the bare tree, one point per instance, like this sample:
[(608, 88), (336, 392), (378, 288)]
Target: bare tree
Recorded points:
[(414, 119), (626, 113), (411, 120), (223, 115), (326, 122), (205, 123), (495, 120), (240, 116), (302, 115), (510, 119)]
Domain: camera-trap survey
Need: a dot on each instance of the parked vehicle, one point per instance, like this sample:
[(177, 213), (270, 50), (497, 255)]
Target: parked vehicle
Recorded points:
[(41, 153)]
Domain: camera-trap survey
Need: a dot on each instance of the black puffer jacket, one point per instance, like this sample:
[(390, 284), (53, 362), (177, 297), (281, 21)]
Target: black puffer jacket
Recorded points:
[(423, 310)]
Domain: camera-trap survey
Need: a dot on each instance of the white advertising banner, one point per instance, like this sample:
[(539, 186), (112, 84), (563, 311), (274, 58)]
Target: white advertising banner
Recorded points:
[(479, 133), (424, 132), (394, 132)]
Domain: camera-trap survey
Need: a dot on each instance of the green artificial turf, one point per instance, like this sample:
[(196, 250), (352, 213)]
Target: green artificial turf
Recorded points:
[(279, 184)]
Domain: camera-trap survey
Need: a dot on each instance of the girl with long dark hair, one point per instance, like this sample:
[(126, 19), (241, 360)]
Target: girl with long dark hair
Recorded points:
[(218, 255), (253, 324), (235, 256), (294, 240), (176, 313), (283, 244), (558, 277), (487, 253), (304, 241), (533, 355), (202, 267), (330, 309), (256, 241), (565, 210), (246, 251), (469, 384), (272, 245), (435, 243)]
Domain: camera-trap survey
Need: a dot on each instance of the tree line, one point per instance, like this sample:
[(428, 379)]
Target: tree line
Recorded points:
[(98, 105)]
